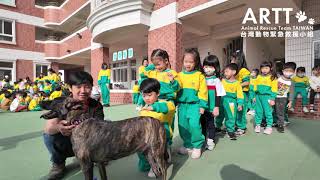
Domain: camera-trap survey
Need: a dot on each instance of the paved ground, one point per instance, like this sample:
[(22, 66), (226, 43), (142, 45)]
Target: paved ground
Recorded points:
[(294, 155)]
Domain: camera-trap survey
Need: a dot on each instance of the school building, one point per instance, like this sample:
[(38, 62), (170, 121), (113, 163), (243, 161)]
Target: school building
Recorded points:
[(73, 35)]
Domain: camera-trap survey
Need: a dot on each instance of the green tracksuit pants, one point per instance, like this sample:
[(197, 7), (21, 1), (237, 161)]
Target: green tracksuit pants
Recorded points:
[(105, 93), (263, 109), (228, 112), (190, 126), (304, 94), (241, 120)]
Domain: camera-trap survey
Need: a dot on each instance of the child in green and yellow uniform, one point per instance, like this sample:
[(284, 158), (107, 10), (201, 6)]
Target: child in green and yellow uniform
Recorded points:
[(232, 102), (142, 70), (158, 109), (192, 100), (103, 82), (243, 77), (135, 93), (47, 88), (34, 104), (301, 85), (55, 94), (253, 78), (266, 89)]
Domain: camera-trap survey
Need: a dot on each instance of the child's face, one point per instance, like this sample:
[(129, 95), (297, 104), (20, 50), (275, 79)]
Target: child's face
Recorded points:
[(300, 73), (253, 74), (150, 98), (265, 70), (209, 70), (145, 63), (188, 62), (315, 73), (160, 63), (228, 73), (288, 73)]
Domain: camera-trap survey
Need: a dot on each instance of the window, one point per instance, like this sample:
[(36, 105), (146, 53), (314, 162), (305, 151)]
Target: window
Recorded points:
[(123, 73), (6, 68), (41, 69), (7, 31), (8, 2)]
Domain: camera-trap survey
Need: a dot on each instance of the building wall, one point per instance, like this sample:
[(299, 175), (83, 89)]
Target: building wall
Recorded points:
[(256, 51), (25, 7), (187, 4)]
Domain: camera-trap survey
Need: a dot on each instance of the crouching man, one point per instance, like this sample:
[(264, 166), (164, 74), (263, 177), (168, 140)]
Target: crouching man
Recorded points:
[(56, 132)]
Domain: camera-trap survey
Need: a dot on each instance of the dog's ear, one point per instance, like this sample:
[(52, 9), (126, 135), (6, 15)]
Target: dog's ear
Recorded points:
[(49, 115)]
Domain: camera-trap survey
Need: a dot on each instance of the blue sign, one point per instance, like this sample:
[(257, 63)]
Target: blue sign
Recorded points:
[(130, 53), (114, 57), (119, 55), (124, 54)]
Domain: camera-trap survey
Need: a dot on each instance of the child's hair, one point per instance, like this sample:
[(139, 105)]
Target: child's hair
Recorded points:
[(150, 85), (144, 59), (136, 82), (233, 67), (270, 65), (196, 57), (301, 69), (80, 77), (256, 71), (212, 60), (239, 55), (316, 68), (104, 65), (160, 53), (7, 94), (51, 70), (47, 81), (290, 65)]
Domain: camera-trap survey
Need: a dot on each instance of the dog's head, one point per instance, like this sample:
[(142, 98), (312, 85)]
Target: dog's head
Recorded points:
[(62, 108)]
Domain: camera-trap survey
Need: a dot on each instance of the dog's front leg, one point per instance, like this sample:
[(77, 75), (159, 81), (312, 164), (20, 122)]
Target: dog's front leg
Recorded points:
[(102, 171), (87, 169)]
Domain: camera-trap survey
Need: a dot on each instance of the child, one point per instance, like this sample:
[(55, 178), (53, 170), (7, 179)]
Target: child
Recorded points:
[(167, 78), (243, 77), (55, 94), (285, 87), (301, 83), (135, 93), (18, 103), (34, 105), (232, 101), (40, 85), (6, 101), (315, 86), (104, 82), (16, 86), (192, 99), (253, 77), (26, 97), (266, 88), (158, 109), (47, 87), (211, 68), (142, 70)]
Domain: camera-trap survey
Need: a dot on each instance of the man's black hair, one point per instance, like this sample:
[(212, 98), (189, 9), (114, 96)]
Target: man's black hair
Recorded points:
[(290, 65), (150, 85), (233, 67), (301, 69), (80, 77)]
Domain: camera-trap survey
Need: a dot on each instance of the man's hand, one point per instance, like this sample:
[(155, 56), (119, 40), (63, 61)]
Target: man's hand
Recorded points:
[(65, 128), (215, 112), (289, 105), (201, 111), (239, 108)]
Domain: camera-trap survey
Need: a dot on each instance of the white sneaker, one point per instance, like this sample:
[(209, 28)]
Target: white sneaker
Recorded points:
[(184, 151), (196, 153), (257, 129), (151, 174), (291, 109), (138, 108), (312, 110), (240, 132), (268, 131), (210, 144), (305, 110)]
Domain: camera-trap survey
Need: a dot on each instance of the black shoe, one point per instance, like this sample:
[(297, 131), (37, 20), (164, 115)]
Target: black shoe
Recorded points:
[(57, 171), (280, 129), (232, 136), (106, 105)]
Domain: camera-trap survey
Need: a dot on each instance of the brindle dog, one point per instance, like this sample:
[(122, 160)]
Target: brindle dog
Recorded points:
[(97, 141)]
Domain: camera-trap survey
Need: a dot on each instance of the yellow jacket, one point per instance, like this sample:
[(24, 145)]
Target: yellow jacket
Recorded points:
[(135, 89), (55, 94), (243, 76)]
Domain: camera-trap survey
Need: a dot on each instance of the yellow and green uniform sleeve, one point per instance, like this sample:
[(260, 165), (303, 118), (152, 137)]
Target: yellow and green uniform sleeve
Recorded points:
[(1, 97), (104, 76), (135, 89), (243, 76), (16, 87), (264, 85), (193, 88), (47, 88), (34, 104), (251, 88), (301, 82), (168, 88), (55, 94), (27, 99), (53, 78)]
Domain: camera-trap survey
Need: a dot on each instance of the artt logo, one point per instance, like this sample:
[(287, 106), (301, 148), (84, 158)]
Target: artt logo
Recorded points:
[(264, 14)]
